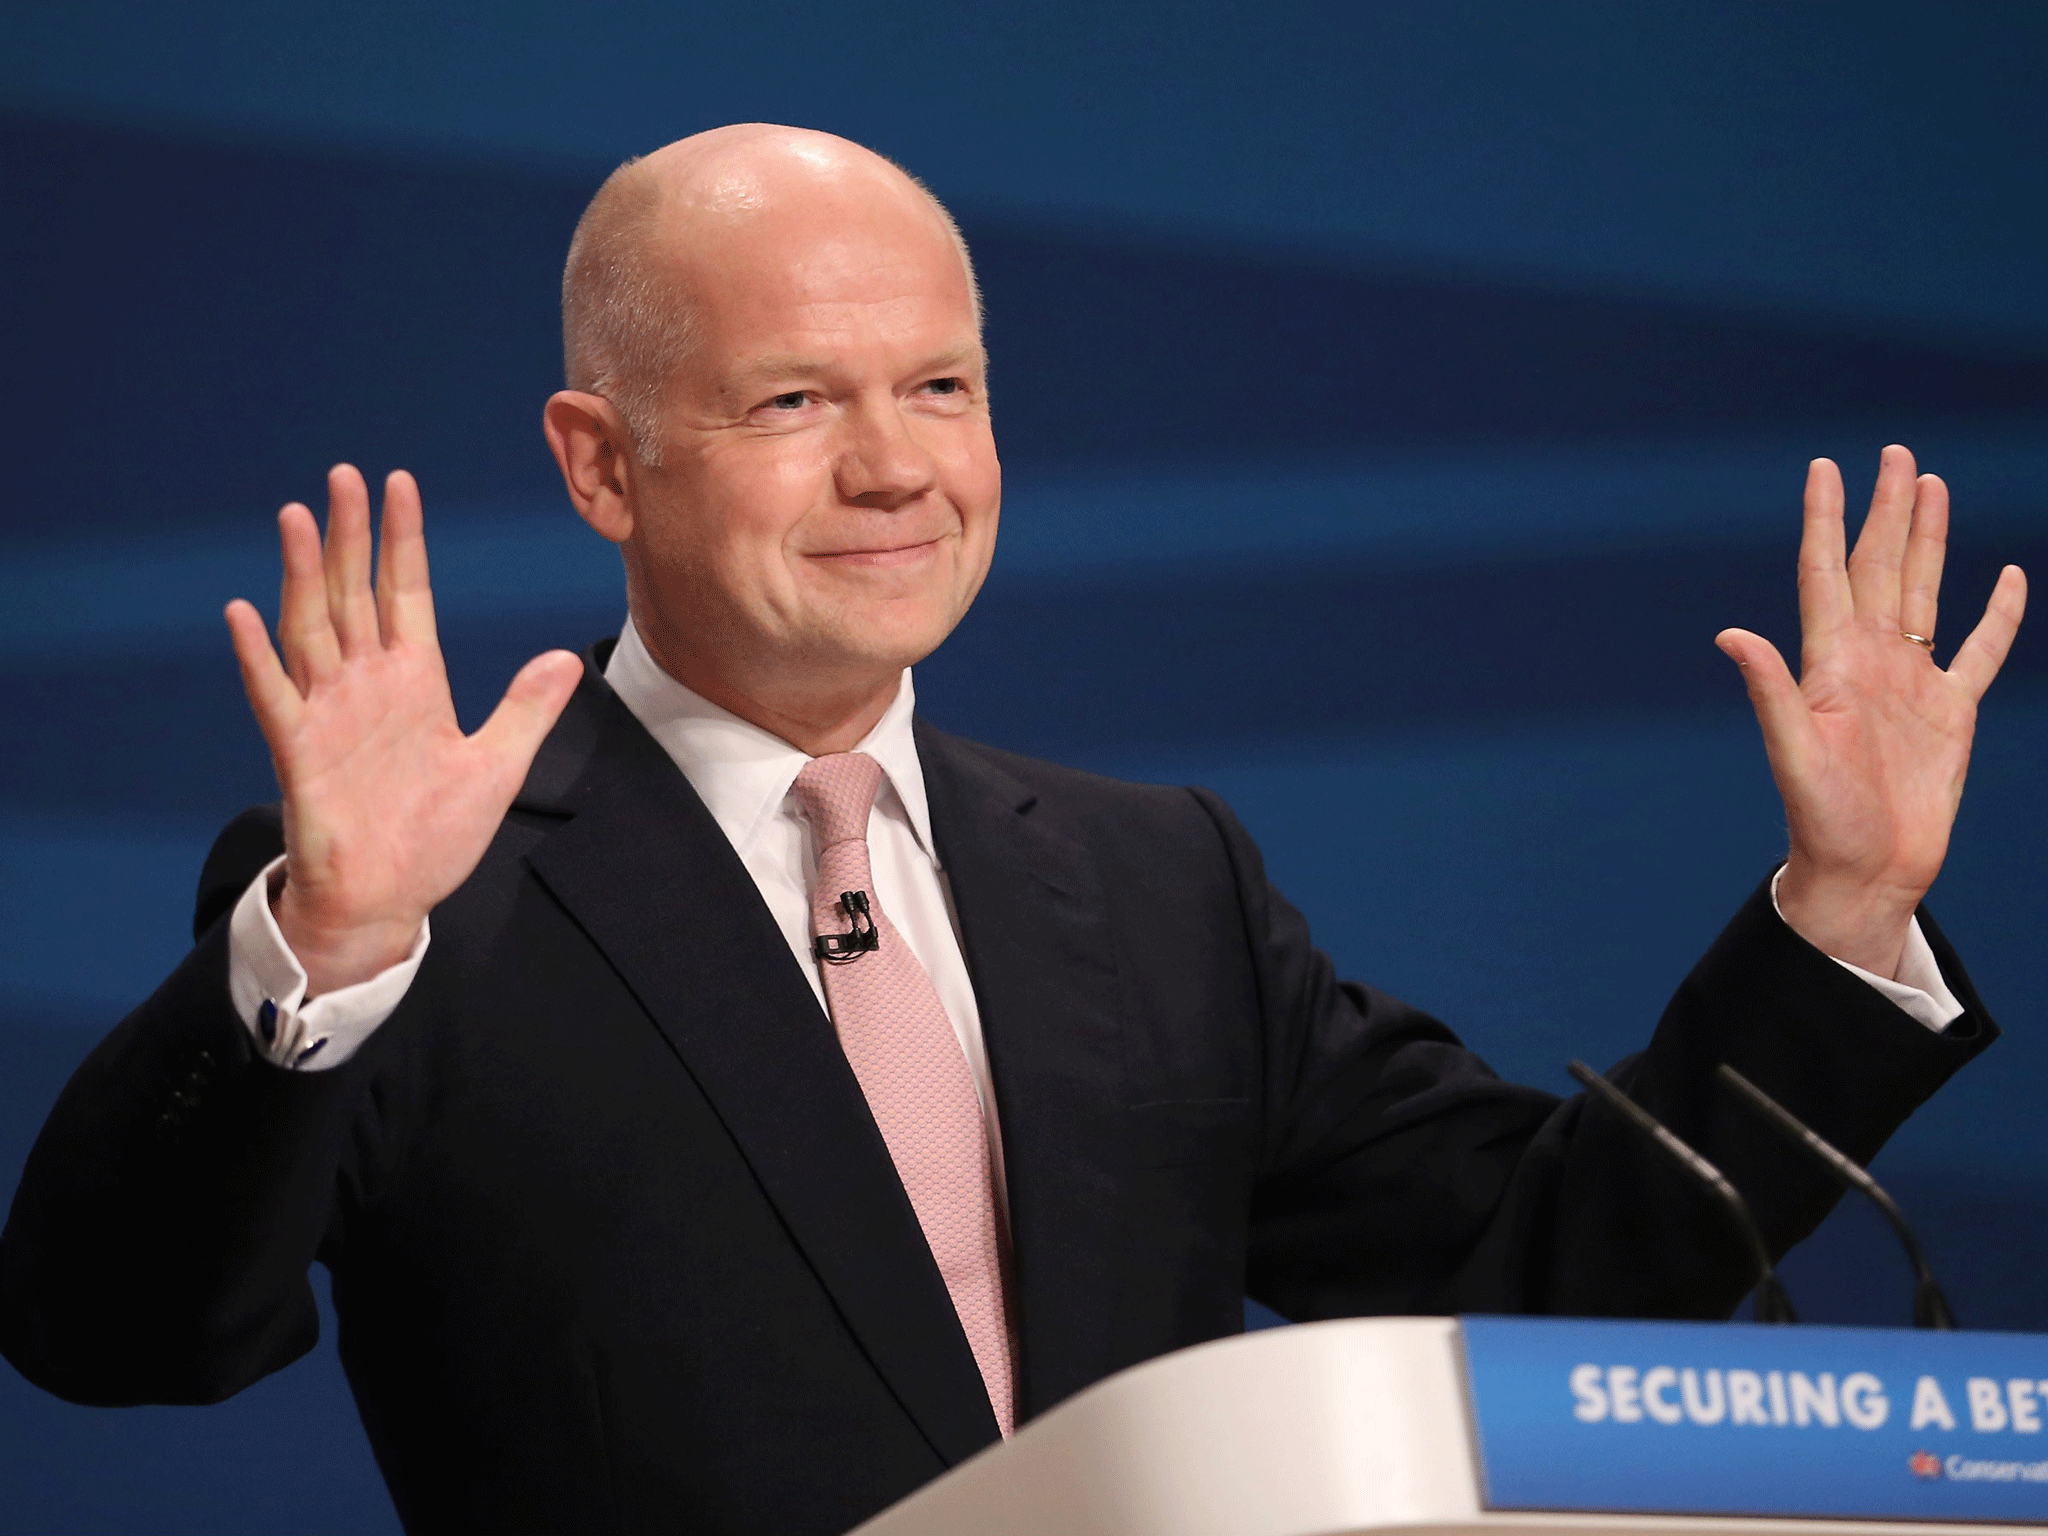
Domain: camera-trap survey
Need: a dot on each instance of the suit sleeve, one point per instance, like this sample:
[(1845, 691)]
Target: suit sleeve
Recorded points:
[(158, 1246), (1399, 1175)]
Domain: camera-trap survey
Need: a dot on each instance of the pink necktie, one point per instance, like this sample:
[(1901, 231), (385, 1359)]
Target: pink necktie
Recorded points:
[(908, 1061)]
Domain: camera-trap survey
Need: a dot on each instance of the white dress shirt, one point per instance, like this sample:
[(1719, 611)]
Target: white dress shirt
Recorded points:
[(743, 775)]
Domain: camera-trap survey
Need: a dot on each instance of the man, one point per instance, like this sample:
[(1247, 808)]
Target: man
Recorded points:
[(724, 1102)]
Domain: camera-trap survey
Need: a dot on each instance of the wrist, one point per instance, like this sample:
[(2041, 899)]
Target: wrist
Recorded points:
[(1858, 920), (335, 950)]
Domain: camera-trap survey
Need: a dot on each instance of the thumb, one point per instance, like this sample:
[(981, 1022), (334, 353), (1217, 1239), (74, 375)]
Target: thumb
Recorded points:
[(1773, 693), (531, 705)]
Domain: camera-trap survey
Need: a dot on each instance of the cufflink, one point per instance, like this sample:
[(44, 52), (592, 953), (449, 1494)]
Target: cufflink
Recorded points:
[(266, 1021), (309, 1052)]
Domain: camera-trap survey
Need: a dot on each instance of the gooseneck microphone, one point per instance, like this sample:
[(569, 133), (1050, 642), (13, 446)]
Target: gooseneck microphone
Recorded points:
[(1930, 1307), (1772, 1304)]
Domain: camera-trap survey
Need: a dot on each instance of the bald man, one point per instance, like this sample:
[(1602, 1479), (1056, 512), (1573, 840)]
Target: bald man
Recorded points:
[(724, 1101)]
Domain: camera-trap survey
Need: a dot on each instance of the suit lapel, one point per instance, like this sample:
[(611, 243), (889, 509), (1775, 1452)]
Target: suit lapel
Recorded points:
[(1036, 928), (646, 871)]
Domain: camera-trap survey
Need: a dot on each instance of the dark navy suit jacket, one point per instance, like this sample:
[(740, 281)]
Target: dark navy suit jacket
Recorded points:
[(615, 1242)]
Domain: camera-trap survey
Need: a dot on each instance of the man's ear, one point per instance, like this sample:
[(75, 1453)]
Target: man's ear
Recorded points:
[(595, 452)]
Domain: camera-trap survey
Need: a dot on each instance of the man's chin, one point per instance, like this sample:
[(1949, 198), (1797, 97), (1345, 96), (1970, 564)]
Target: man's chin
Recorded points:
[(878, 648)]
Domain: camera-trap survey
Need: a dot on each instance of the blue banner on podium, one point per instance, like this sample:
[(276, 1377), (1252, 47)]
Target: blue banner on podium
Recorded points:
[(1738, 1419)]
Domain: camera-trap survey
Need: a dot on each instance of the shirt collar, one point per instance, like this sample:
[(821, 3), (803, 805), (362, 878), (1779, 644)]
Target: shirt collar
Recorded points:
[(741, 772)]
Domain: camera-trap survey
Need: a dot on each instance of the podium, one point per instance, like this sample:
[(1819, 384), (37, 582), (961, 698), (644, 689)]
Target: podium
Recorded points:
[(1321, 1429)]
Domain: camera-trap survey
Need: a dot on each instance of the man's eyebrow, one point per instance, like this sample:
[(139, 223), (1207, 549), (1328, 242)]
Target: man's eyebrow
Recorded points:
[(777, 367), (953, 357), (792, 365)]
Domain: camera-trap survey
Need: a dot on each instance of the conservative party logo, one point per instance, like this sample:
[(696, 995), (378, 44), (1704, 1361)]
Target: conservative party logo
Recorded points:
[(1925, 1464)]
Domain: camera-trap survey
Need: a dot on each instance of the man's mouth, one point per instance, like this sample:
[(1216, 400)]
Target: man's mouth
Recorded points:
[(881, 557)]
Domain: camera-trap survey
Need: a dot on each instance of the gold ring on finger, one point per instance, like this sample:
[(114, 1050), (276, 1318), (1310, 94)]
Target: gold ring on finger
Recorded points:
[(1922, 641)]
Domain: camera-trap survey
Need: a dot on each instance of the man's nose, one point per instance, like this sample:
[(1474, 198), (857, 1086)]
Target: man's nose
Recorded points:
[(884, 464)]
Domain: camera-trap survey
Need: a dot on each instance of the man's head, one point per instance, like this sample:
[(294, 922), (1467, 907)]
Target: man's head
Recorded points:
[(778, 407)]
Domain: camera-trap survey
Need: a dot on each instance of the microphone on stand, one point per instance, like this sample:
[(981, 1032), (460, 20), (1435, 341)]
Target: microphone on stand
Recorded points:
[(1930, 1307), (1772, 1304)]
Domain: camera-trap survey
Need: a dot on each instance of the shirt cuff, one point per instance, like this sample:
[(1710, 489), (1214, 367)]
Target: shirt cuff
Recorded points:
[(267, 985), (1918, 989)]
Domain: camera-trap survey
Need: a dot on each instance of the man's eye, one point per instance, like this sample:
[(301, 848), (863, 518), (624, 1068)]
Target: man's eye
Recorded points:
[(793, 401), (944, 386)]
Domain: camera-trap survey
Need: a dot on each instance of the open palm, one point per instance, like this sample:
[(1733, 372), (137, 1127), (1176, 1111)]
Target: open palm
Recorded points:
[(1870, 746), (388, 806)]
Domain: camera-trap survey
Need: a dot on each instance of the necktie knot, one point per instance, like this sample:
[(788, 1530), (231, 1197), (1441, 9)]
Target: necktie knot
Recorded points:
[(838, 791)]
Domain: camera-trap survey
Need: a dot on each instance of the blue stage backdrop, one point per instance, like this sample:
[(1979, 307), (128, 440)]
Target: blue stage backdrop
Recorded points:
[(1395, 400)]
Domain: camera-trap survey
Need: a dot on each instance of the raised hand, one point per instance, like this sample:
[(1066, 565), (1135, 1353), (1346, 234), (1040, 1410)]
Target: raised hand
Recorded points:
[(1870, 746), (387, 805)]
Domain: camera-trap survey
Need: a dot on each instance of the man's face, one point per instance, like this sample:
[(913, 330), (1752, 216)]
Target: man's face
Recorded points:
[(826, 504)]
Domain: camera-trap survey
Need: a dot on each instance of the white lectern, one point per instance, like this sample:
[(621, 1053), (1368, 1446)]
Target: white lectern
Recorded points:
[(1322, 1429)]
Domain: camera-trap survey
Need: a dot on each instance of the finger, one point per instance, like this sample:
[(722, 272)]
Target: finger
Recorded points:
[(1780, 708), (349, 600), (1825, 604), (528, 711), (1920, 577), (305, 629), (1874, 564), (405, 598), (272, 694), (1981, 656)]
